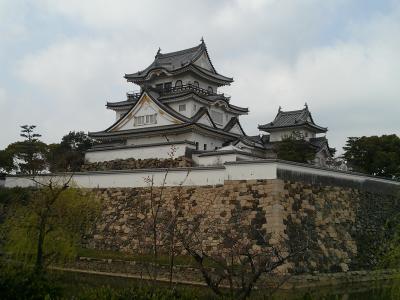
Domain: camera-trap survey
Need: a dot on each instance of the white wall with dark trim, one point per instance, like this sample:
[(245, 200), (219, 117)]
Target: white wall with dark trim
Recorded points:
[(200, 176)]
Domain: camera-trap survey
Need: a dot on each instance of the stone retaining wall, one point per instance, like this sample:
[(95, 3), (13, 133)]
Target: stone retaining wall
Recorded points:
[(132, 163), (335, 223)]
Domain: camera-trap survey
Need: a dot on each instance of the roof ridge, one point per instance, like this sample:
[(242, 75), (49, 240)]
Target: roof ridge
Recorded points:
[(292, 111), (201, 112), (179, 52)]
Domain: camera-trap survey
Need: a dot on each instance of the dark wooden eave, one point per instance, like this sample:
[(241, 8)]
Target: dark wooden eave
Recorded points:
[(180, 61), (291, 120), (163, 130)]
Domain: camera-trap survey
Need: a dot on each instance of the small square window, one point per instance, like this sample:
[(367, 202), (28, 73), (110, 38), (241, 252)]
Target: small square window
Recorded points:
[(148, 119), (151, 119), (182, 107), (139, 121)]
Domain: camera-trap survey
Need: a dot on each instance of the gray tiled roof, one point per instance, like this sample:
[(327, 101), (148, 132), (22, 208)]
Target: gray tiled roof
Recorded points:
[(136, 130), (208, 98), (121, 104), (250, 141), (165, 107), (294, 118), (175, 128), (177, 60), (320, 142), (232, 122)]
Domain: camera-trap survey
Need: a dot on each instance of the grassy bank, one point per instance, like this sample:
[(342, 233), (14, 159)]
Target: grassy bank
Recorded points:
[(20, 283)]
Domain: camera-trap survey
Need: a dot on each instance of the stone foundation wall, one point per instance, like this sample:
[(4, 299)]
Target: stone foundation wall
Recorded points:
[(129, 164), (190, 275), (335, 223)]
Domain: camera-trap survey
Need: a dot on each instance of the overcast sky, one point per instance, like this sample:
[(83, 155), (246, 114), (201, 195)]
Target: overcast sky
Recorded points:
[(60, 61)]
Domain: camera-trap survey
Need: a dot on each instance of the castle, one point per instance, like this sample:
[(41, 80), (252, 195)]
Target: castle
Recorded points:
[(224, 175), (179, 108)]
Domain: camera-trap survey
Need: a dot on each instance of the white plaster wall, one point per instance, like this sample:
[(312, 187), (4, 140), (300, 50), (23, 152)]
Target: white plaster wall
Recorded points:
[(159, 139), (135, 179), (190, 107), (225, 119), (263, 169), (162, 151), (211, 142), (214, 160), (174, 178), (251, 171)]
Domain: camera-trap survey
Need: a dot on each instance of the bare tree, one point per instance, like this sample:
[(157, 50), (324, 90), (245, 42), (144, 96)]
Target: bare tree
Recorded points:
[(159, 222), (243, 255)]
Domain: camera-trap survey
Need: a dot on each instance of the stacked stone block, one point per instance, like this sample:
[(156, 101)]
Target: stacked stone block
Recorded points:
[(323, 220)]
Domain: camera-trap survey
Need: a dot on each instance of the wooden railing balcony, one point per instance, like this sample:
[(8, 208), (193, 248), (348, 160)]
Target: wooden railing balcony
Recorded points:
[(189, 87), (132, 96)]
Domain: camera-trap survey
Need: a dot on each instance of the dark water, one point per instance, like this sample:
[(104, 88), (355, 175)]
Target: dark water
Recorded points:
[(381, 290), (359, 291)]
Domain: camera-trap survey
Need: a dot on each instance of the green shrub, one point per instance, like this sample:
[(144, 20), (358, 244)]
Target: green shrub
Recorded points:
[(18, 282)]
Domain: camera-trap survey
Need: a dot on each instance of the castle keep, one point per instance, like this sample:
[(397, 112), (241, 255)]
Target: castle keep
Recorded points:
[(179, 115)]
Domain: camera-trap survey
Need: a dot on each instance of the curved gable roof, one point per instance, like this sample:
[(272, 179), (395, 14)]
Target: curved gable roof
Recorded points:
[(232, 122), (164, 107), (294, 118), (174, 61), (184, 120)]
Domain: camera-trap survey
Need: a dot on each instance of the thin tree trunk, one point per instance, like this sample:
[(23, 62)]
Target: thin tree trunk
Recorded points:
[(172, 257), (39, 251), (155, 251)]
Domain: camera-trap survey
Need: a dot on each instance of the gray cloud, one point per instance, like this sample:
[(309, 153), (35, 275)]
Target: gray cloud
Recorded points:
[(279, 52)]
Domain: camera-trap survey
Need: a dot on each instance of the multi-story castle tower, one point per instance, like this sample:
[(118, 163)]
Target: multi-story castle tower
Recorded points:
[(180, 110), (178, 105)]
